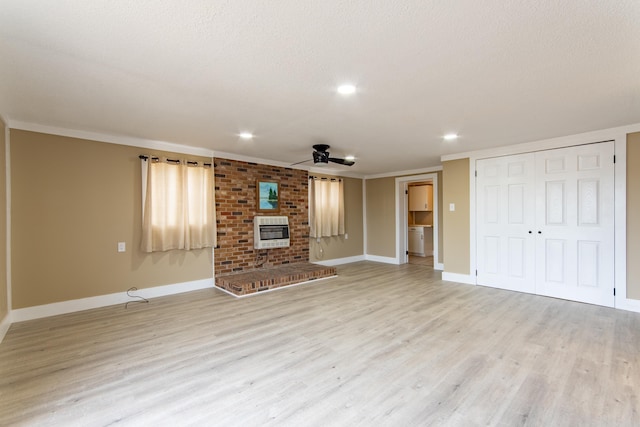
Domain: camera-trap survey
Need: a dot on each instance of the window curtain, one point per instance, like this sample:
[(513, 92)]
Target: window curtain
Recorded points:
[(178, 210), (326, 207)]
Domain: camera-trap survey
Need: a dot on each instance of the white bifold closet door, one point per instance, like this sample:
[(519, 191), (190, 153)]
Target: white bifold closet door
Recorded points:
[(505, 222), (545, 223), (575, 244)]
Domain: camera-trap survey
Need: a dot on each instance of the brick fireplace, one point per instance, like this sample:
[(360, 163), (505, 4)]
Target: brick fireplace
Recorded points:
[(235, 194)]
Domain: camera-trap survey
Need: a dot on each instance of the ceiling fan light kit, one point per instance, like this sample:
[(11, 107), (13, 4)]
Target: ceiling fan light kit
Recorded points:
[(320, 158)]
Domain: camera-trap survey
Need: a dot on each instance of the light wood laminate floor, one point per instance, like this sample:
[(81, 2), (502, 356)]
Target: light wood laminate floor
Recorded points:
[(380, 345), (421, 260)]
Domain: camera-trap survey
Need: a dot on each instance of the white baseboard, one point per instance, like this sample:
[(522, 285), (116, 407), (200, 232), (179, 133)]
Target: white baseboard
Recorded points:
[(5, 324), (176, 288), (385, 259), (629, 305), (438, 266), (64, 307), (459, 278), (339, 261)]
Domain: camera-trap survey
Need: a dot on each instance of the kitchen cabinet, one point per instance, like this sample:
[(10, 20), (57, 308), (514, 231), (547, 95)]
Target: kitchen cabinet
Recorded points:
[(420, 239), (416, 241), (421, 198)]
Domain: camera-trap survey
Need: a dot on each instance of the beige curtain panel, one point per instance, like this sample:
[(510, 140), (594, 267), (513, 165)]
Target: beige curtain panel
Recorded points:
[(326, 207), (178, 205)]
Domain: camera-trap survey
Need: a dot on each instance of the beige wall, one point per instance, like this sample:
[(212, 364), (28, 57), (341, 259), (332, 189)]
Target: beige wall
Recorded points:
[(72, 201), (381, 217), (456, 227), (4, 291), (339, 247), (633, 215)]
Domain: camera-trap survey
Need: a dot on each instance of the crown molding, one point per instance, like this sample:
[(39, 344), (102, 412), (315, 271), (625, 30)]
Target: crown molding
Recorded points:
[(111, 139), (196, 151), (546, 144), (161, 145), (249, 159)]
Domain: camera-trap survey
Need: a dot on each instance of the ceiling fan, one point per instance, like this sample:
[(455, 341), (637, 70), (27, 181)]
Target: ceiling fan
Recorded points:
[(321, 157)]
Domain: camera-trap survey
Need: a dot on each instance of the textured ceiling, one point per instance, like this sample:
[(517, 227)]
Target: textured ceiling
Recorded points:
[(199, 72)]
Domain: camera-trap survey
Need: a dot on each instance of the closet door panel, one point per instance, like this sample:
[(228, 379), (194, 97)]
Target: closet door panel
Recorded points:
[(505, 221), (575, 228)]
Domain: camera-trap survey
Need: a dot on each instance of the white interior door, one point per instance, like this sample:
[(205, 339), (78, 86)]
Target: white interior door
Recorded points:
[(575, 223), (505, 222)]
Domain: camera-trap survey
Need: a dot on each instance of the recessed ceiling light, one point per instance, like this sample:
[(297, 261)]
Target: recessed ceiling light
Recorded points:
[(350, 157), (346, 89), (246, 135), (450, 136)]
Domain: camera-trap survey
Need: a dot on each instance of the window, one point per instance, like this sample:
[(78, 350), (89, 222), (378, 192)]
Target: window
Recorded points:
[(178, 210), (326, 207)]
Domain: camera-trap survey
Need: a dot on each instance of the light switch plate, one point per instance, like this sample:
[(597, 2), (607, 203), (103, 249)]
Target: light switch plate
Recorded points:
[(122, 247), (452, 207)]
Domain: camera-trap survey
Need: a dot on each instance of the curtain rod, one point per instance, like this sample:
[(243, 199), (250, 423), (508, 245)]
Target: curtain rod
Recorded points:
[(143, 157), (324, 179)]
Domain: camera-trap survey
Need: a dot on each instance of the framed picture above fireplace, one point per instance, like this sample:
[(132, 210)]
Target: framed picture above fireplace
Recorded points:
[(267, 196)]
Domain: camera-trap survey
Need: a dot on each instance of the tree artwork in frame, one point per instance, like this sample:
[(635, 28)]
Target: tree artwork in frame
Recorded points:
[(268, 196)]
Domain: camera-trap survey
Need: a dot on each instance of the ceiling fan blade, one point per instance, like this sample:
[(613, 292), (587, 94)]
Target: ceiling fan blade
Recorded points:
[(297, 163), (342, 161)]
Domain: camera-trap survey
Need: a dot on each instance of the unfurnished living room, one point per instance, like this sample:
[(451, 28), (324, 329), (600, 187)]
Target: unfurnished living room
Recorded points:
[(338, 213)]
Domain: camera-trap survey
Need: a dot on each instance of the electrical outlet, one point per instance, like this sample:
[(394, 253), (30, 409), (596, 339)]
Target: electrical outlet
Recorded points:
[(122, 247), (346, 236)]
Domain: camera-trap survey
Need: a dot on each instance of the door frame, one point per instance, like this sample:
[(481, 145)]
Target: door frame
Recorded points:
[(402, 213)]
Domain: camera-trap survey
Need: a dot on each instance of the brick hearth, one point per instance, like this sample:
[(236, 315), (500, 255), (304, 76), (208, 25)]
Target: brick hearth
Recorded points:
[(258, 280)]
